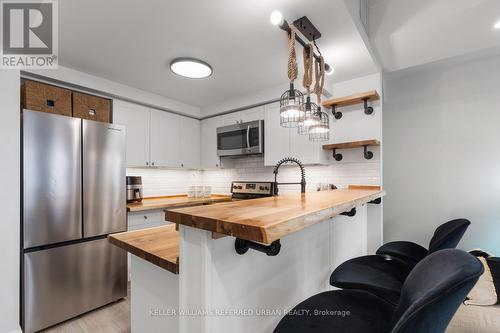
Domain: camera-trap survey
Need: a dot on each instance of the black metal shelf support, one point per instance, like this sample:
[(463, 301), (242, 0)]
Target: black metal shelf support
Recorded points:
[(368, 109), (241, 246), (336, 114), (337, 156), (366, 153), (350, 213)]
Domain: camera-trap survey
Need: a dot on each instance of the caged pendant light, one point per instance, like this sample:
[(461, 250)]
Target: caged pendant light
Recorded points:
[(320, 131), (310, 116), (292, 101)]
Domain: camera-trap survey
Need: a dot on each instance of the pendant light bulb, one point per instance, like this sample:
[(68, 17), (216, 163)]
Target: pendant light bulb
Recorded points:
[(276, 18)]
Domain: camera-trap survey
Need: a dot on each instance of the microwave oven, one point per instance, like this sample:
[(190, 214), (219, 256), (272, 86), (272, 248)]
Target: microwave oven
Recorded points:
[(241, 139)]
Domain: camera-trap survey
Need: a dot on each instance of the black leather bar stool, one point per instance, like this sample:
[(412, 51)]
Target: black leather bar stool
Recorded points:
[(430, 297), (384, 274), (446, 236)]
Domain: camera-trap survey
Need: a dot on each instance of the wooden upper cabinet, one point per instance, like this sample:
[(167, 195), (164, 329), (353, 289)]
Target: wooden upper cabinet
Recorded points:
[(91, 107), (46, 98)]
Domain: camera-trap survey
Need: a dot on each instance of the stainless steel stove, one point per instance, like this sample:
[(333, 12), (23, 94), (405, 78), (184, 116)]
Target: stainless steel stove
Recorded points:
[(242, 190)]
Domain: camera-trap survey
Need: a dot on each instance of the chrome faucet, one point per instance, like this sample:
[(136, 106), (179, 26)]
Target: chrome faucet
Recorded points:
[(302, 170)]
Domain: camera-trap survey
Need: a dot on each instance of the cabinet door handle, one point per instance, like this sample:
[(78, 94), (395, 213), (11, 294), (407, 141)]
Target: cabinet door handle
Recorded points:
[(145, 217), (182, 165), (248, 137), (147, 163), (152, 163)]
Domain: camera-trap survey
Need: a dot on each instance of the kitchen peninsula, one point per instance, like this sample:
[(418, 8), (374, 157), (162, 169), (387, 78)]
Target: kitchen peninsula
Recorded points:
[(219, 290)]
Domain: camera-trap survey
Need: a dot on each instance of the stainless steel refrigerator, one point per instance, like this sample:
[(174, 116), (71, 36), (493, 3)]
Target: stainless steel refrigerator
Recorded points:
[(73, 197)]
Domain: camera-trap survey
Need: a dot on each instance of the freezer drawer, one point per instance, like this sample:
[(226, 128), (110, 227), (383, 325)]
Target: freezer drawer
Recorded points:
[(104, 179), (51, 178), (63, 282)]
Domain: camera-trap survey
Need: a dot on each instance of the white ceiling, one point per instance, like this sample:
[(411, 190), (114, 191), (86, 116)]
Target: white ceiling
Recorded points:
[(407, 33), (132, 42)]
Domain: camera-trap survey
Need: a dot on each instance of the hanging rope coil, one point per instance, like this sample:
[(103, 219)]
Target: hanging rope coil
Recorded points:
[(319, 68), (292, 55), (308, 68)]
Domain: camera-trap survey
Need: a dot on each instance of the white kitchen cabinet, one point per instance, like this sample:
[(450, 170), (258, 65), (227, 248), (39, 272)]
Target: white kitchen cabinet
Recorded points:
[(146, 219), (165, 136), (282, 142), (208, 144), (276, 138), (135, 118), (190, 143), (143, 220), (308, 152), (256, 113)]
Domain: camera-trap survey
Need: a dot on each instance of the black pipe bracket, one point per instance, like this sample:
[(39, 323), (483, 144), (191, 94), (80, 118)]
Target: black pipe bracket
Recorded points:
[(336, 114), (368, 109), (366, 153), (350, 213), (337, 156), (241, 246)]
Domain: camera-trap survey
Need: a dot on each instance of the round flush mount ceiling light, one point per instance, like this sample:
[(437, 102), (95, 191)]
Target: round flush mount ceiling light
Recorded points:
[(497, 25), (191, 68)]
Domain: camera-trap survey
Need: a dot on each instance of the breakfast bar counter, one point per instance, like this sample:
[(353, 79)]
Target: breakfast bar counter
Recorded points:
[(187, 280), (265, 220)]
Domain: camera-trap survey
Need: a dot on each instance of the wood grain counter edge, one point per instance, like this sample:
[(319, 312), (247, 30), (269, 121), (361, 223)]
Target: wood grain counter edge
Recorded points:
[(271, 232), (159, 245)]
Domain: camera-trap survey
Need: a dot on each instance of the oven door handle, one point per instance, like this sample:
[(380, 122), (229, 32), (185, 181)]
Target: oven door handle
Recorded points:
[(248, 137)]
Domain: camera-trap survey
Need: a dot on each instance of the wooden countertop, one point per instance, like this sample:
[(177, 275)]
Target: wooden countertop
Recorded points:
[(268, 219), (174, 201), (159, 245)]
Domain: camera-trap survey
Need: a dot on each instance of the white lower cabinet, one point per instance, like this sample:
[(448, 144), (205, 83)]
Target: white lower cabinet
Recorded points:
[(143, 220)]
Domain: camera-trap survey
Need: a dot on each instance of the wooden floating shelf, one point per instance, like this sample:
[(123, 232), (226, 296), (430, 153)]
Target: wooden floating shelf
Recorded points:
[(352, 99), (349, 145), (335, 103)]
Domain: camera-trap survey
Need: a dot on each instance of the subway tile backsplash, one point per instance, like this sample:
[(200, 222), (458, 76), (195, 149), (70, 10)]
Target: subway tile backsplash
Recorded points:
[(159, 182)]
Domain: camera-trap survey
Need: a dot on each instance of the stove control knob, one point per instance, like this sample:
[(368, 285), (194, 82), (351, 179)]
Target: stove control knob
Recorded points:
[(261, 188)]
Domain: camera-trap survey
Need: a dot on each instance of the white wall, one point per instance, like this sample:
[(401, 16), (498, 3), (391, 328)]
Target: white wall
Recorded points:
[(253, 169), (161, 182), (441, 151), (9, 197)]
